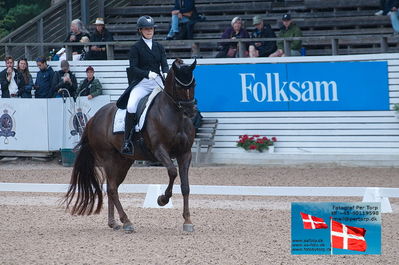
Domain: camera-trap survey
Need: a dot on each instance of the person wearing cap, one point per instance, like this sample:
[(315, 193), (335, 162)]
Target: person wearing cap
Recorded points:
[(43, 79), (64, 79), (235, 31), (183, 12), (90, 86), (289, 29), (100, 34), (148, 68), (262, 30)]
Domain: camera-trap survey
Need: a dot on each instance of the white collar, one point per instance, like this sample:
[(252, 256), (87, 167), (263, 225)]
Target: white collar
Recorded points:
[(148, 42)]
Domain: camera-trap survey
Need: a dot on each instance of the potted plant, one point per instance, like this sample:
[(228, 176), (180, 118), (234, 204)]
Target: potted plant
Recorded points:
[(256, 143), (396, 109)]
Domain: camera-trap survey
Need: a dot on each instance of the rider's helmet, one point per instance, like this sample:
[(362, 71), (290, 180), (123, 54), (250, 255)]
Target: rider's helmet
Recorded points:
[(145, 22)]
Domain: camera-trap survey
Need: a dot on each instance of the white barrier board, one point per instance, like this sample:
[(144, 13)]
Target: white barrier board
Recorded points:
[(43, 125)]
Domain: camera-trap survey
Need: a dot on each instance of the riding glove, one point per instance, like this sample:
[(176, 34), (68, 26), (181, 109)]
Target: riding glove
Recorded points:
[(152, 75)]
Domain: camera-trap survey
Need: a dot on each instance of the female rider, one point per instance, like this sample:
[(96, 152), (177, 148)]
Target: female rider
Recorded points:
[(147, 58)]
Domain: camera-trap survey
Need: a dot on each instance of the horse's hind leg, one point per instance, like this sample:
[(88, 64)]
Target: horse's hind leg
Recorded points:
[(116, 169), (163, 157), (184, 165)]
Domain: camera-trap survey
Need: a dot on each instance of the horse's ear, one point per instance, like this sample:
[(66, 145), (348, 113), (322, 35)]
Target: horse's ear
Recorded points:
[(174, 67), (193, 65)]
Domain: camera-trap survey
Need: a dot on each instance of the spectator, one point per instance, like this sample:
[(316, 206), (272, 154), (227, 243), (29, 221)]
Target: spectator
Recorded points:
[(10, 80), (385, 7), (101, 34), (289, 29), (236, 31), (90, 86), (262, 30), (78, 31), (395, 17), (43, 79), (184, 12), (64, 78), (27, 80)]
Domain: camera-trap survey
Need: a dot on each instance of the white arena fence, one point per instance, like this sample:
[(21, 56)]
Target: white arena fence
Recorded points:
[(152, 191), (342, 137)]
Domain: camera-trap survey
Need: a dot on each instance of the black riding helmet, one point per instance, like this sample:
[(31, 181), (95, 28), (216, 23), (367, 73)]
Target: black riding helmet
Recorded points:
[(145, 22)]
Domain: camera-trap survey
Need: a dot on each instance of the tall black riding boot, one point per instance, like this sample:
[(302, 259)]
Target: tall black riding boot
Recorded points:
[(130, 123)]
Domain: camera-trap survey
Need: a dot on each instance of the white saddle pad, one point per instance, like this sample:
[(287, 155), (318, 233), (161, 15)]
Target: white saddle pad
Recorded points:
[(119, 120)]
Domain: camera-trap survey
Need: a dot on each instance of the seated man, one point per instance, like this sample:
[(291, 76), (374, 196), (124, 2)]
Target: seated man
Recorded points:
[(184, 12), (262, 30), (289, 29), (385, 7), (101, 34), (64, 78), (90, 86)]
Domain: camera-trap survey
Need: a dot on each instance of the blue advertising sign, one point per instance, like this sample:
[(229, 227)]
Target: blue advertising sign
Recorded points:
[(293, 87)]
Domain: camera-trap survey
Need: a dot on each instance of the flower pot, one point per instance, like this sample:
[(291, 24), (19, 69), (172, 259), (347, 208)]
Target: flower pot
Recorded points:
[(271, 149)]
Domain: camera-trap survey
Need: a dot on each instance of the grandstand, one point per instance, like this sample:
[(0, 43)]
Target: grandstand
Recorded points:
[(348, 27)]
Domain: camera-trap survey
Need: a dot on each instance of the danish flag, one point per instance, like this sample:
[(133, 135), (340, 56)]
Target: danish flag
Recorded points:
[(312, 222), (347, 237)]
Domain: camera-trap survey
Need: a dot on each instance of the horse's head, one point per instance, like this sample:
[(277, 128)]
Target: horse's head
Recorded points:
[(180, 85)]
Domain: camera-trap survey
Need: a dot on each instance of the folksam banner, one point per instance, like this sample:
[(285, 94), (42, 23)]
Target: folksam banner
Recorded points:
[(331, 86)]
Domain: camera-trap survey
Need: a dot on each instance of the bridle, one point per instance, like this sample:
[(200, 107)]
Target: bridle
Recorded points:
[(180, 104)]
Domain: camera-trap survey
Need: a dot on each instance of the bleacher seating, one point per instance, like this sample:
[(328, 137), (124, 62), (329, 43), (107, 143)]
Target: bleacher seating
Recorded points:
[(316, 18)]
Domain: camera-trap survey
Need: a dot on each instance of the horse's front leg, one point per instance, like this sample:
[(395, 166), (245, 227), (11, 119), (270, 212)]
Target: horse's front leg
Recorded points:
[(162, 155), (184, 165)]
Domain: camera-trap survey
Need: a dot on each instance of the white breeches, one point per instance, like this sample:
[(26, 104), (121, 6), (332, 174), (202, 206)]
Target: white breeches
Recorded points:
[(145, 87)]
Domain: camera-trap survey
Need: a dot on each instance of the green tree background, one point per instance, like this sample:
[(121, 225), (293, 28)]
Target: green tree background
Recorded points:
[(14, 13)]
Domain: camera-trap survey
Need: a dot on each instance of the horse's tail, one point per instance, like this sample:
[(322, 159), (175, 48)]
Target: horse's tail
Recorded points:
[(85, 180)]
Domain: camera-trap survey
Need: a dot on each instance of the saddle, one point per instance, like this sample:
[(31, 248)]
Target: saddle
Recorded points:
[(142, 110)]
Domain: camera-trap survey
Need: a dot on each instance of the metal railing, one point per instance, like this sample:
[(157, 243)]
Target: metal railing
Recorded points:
[(34, 49)]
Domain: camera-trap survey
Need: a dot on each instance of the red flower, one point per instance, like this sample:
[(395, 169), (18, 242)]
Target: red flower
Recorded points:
[(256, 135), (259, 141), (252, 147), (274, 139)]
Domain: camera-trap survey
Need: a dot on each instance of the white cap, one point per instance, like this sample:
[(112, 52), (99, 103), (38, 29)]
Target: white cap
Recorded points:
[(99, 21)]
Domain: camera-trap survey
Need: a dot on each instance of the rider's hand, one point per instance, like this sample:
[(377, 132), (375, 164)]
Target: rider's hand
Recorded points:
[(152, 75), (165, 75)]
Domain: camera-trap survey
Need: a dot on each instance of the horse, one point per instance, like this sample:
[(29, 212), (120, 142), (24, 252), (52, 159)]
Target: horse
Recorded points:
[(168, 133)]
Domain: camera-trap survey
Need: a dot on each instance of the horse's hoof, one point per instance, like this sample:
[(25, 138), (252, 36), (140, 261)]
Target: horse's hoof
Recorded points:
[(162, 200), (128, 228), (116, 227), (188, 227)]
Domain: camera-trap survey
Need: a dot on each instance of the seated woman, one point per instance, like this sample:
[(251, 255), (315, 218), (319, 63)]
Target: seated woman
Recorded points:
[(78, 31), (235, 31), (26, 89)]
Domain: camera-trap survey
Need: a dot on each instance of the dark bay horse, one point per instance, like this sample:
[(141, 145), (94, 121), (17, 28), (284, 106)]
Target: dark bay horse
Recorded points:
[(168, 133)]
